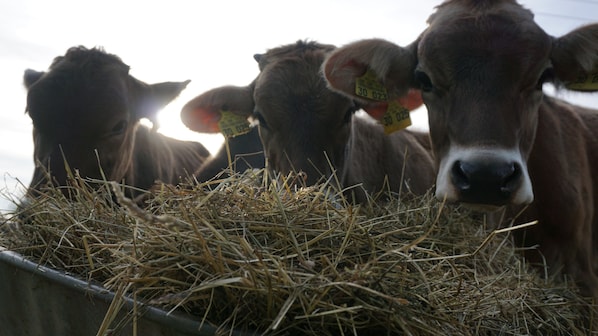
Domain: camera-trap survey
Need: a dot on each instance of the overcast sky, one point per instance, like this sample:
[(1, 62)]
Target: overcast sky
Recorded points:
[(212, 43)]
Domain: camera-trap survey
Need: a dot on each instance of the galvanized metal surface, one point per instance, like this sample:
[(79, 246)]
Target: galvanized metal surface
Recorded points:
[(36, 300)]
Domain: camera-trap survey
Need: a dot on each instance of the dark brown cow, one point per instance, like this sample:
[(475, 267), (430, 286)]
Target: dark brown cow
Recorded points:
[(86, 111), (306, 127), (497, 140)]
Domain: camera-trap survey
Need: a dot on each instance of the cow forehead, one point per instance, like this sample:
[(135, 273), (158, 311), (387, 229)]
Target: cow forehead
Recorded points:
[(295, 67), (291, 76), (82, 102), (300, 49), (482, 32), (456, 9), (293, 88)]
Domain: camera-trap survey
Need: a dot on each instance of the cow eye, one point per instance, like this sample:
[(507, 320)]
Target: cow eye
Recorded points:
[(546, 76), (424, 82), (119, 128), (260, 118)]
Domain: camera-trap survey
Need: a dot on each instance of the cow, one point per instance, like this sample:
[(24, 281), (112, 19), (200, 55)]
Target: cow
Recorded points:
[(499, 143), (86, 111), (305, 127)]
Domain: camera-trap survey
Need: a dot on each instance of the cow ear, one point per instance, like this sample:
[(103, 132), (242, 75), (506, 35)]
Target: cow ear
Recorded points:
[(203, 113), (575, 59), (31, 76), (389, 65), (410, 101), (151, 98), (164, 93)]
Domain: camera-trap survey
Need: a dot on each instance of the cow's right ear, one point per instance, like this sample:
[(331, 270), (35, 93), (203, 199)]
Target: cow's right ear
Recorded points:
[(574, 59), (203, 113), (31, 76), (392, 67)]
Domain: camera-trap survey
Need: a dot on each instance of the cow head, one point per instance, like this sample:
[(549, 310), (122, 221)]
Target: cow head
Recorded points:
[(303, 125), (85, 111), (480, 66)]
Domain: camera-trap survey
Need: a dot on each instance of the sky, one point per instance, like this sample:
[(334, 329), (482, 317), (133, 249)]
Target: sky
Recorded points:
[(212, 43)]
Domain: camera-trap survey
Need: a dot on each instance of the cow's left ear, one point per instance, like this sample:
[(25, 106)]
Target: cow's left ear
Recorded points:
[(575, 59), (31, 76), (154, 97)]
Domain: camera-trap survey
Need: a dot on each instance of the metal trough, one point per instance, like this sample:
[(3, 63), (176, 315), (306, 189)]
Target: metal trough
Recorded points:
[(36, 300)]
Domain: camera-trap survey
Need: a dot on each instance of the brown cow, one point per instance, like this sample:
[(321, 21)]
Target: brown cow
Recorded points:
[(306, 127), (497, 140), (86, 111)]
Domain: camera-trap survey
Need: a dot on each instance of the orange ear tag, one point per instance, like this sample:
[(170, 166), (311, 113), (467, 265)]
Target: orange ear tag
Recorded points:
[(368, 86), (396, 118), (585, 83), (232, 124)]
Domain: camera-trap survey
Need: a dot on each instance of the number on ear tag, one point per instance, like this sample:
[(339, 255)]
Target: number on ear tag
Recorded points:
[(232, 124), (368, 86), (396, 117)]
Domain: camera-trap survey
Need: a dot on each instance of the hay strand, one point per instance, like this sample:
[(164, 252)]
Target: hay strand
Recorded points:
[(254, 254)]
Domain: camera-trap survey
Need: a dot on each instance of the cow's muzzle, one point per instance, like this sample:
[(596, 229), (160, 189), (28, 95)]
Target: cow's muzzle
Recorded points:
[(484, 182), (484, 176)]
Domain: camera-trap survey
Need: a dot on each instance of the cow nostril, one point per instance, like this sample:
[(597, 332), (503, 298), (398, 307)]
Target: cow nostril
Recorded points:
[(511, 179), (486, 181), (460, 174)]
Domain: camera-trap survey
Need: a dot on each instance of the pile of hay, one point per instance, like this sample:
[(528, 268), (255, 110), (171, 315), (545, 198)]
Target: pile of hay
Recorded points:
[(247, 253)]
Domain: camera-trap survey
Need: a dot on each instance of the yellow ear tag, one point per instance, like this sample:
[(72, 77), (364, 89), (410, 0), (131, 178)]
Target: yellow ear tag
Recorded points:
[(585, 83), (232, 124), (368, 86), (396, 117)]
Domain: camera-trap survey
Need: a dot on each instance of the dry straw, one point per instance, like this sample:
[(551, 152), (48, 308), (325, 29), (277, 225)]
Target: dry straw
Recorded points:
[(252, 254)]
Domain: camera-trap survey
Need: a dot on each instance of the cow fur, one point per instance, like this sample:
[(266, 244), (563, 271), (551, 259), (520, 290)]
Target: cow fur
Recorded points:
[(498, 142), (305, 127), (86, 111)]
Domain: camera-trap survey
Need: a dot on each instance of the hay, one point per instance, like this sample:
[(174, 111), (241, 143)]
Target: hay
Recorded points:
[(247, 253)]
